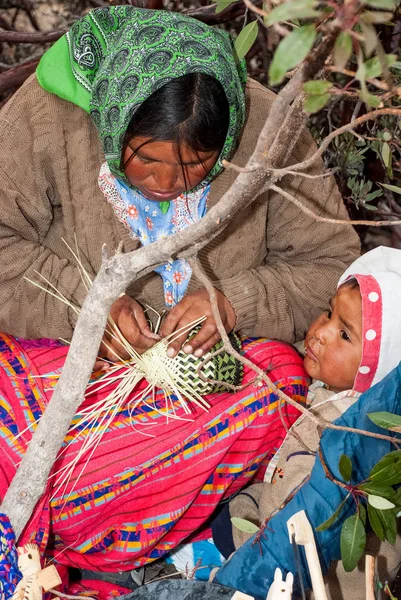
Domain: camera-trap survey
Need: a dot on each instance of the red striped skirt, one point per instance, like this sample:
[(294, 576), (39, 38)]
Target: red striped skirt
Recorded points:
[(152, 482)]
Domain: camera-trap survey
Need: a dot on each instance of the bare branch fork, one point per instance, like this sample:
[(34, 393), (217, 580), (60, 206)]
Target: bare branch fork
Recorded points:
[(321, 219), (327, 140)]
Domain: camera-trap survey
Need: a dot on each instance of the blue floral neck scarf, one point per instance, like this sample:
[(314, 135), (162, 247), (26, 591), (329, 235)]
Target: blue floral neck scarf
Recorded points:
[(147, 222)]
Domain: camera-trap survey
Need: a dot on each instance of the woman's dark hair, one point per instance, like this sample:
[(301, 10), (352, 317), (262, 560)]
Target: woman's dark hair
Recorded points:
[(191, 110)]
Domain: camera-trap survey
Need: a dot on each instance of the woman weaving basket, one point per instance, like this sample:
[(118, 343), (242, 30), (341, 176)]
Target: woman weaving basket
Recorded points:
[(120, 135)]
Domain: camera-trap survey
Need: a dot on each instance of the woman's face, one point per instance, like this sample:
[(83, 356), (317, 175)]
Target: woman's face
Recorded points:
[(155, 170), (333, 343)]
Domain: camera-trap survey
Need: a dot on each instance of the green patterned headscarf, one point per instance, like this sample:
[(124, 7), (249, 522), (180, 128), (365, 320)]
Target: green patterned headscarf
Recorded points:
[(114, 58)]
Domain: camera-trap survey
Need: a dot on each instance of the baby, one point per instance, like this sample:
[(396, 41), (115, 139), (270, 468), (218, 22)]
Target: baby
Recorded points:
[(348, 349), (357, 341)]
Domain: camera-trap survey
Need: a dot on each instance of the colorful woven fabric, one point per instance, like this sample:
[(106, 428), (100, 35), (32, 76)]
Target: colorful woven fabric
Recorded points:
[(153, 481), (114, 58), (9, 572)]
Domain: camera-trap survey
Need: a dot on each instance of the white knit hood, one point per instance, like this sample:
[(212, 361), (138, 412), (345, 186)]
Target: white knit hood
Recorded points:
[(378, 273)]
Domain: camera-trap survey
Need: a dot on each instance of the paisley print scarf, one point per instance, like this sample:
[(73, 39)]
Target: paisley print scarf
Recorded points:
[(114, 58)]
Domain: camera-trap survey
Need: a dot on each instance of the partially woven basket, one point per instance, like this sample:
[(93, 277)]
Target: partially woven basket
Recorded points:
[(189, 378), (199, 376)]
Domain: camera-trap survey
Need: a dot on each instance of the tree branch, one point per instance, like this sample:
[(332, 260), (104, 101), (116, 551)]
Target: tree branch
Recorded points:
[(113, 278), (14, 76), (310, 213), (207, 14), (288, 171), (118, 272), (16, 37), (345, 128)]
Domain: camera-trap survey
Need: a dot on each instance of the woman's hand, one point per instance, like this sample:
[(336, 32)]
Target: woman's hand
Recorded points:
[(130, 319), (192, 307)]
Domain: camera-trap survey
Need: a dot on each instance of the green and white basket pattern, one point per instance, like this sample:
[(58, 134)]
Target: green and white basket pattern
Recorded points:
[(211, 377)]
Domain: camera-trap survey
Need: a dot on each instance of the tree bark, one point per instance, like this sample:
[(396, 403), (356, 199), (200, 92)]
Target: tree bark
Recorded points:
[(16, 75), (208, 15), (42, 37)]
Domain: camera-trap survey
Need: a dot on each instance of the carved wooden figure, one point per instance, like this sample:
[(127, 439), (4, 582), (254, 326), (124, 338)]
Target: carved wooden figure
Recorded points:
[(280, 589), (34, 578)]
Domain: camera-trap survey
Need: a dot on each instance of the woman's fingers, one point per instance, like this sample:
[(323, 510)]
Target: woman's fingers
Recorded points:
[(204, 340), (193, 307), (175, 320), (144, 325), (112, 350), (174, 317), (131, 329), (101, 364)]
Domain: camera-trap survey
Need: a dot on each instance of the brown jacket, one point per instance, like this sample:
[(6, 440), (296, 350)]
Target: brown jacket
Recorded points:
[(277, 266)]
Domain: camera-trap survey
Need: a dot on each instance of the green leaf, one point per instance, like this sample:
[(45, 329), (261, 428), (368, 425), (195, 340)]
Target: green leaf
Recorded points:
[(369, 206), (376, 523), (388, 469), (387, 137), (317, 96), (245, 40), (389, 4), (392, 188), (373, 68), (375, 489), (290, 52), (327, 524), (342, 49), (370, 37), (376, 17), (369, 99), (301, 9), (223, 4), (244, 525), (386, 420), (362, 513), (352, 542), (390, 524), (317, 87), (380, 503), (383, 523), (373, 195), (397, 497), (386, 154), (345, 467), (313, 104)]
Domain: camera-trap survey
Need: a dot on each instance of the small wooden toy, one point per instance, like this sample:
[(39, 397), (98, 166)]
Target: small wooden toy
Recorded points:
[(280, 589), (34, 578), (299, 527), (241, 596)]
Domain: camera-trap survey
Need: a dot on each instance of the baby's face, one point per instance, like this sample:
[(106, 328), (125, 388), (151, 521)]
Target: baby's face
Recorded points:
[(333, 343)]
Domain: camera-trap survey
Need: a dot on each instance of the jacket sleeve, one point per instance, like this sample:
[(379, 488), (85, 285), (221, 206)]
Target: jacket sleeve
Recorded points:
[(251, 568), (304, 258), (26, 310)]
